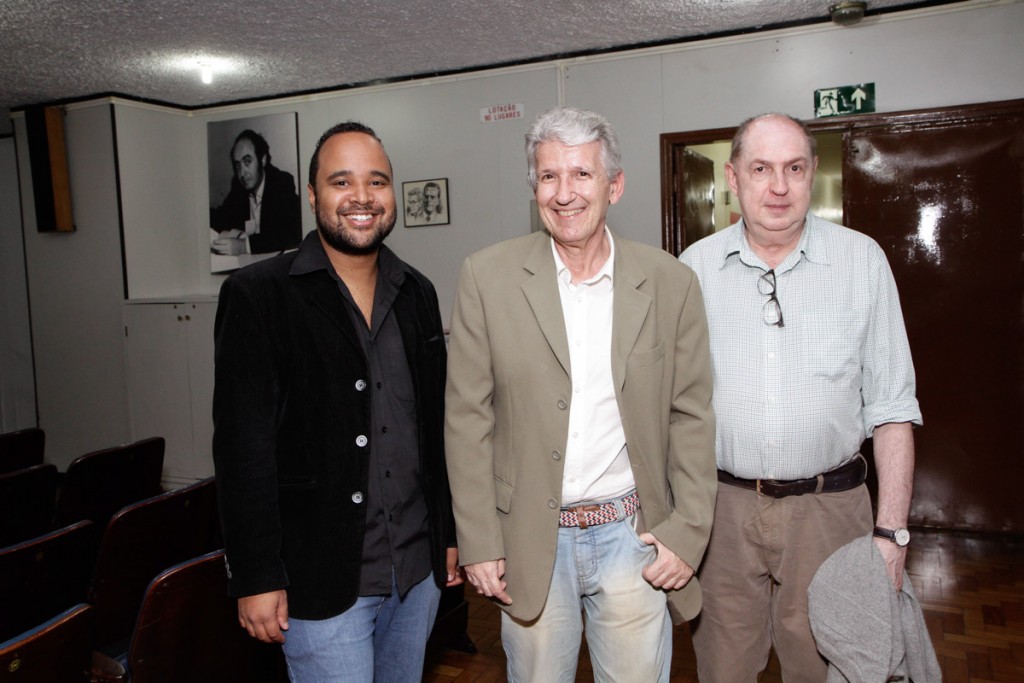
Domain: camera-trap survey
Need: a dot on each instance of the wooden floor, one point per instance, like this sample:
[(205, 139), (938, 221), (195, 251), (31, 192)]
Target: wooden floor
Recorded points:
[(971, 588)]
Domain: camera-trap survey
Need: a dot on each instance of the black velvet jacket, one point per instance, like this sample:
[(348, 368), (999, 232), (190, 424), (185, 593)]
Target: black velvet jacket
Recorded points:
[(290, 404)]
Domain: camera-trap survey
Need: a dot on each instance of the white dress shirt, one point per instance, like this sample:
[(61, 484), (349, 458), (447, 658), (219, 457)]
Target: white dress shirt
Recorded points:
[(596, 462)]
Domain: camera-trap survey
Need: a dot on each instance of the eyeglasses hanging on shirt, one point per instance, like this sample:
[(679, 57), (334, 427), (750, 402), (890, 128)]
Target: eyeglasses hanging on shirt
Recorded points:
[(771, 312)]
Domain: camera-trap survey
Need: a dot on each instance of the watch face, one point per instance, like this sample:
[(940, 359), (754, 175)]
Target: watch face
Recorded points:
[(901, 537)]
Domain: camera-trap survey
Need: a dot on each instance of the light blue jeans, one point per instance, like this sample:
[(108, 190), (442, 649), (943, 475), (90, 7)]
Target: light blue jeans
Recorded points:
[(629, 631), (380, 639)]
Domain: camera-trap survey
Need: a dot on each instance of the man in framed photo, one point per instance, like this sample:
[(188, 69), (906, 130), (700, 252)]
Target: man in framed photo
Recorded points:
[(261, 213), (433, 206)]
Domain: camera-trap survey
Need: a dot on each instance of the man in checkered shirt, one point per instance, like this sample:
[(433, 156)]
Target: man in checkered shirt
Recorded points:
[(810, 356)]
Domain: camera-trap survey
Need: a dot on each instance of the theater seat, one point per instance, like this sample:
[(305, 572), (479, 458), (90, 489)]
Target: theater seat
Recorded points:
[(26, 503), (142, 540), (98, 484), (188, 630), (21, 449), (58, 650), (44, 576)]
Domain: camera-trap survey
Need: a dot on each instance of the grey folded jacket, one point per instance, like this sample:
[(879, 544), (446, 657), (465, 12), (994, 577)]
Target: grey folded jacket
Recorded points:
[(866, 630)]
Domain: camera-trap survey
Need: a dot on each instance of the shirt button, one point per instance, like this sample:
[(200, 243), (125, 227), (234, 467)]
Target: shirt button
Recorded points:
[(556, 455), (357, 497), (553, 504), (360, 384), (361, 440), (562, 404)]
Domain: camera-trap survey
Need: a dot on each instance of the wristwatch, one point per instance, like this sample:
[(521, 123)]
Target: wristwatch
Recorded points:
[(900, 537)]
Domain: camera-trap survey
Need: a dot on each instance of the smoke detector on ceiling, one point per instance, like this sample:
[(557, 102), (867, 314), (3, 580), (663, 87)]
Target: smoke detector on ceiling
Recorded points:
[(848, 12)]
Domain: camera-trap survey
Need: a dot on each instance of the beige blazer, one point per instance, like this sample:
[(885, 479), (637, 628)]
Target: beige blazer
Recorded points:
[(507, 408)]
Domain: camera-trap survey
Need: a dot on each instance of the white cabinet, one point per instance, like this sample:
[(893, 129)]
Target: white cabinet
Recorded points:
[(169, 361)]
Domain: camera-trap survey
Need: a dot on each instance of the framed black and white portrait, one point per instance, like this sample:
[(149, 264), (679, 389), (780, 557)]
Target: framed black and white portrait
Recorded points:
[(255, 207), (426, 202)]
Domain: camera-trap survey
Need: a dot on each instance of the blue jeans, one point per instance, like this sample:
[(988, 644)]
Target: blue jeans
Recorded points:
[(629, 631), (380, 639)]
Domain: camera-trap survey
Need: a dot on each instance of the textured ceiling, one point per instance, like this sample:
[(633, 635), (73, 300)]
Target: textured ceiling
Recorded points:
[(57, 50)]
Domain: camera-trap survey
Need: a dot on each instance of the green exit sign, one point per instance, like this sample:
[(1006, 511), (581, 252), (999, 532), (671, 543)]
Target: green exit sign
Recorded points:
[(844, 100)]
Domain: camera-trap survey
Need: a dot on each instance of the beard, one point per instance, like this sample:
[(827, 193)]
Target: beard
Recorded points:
[(354, 242)]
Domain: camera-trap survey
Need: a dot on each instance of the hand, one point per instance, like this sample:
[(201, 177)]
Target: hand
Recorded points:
[(668, 571), (228, 246), (895, 558), (264, 616), (455, 575), (486, 577)]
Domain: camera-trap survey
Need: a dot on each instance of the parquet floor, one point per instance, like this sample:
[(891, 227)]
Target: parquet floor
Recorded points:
[(971, 588)]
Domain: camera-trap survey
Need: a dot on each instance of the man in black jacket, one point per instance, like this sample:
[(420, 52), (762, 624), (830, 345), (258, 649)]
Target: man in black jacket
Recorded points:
[(328, 443), (261, 214)]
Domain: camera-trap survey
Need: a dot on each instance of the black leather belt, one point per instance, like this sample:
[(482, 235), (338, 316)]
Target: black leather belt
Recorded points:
[(842, 478)]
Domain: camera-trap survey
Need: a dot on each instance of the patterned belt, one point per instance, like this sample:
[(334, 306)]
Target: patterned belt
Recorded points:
[(585, 516)]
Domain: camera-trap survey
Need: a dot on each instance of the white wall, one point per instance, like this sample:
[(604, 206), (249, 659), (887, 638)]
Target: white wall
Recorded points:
[(17, 387), (75, 290), (158, 197), (926, 58)]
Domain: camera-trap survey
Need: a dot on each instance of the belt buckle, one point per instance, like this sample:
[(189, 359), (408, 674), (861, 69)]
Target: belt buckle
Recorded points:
[(581, 513)]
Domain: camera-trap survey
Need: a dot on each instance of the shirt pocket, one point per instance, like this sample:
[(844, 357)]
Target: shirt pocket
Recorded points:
[(831, 347)]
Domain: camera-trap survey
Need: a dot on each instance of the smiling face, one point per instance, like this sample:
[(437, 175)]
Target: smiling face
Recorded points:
[(247, 166), (573, 191), (354, 199), (772, 179)]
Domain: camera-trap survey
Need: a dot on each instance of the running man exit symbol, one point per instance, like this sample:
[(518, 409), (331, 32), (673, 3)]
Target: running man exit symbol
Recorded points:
[(844, 99)]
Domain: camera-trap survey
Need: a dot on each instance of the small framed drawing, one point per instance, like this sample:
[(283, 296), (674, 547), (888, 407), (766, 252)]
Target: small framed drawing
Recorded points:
[(426, 202)]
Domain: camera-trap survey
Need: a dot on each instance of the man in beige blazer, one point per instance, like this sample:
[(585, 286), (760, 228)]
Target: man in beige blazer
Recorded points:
[(579, 431)]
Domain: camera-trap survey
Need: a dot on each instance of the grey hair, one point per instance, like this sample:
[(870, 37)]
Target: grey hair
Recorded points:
[(741, 133), (572, 126)]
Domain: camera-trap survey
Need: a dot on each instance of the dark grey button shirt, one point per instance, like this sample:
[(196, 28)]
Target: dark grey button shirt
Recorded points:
[(397, 531)]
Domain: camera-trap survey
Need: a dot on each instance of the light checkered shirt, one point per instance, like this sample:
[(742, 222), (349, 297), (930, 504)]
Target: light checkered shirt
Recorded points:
[(794, 401)]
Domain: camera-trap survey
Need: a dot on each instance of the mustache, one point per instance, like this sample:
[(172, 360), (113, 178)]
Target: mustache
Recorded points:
[(374, 209)]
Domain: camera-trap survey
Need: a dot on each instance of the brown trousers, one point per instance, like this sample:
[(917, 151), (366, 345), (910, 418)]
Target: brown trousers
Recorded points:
[(762, 555)]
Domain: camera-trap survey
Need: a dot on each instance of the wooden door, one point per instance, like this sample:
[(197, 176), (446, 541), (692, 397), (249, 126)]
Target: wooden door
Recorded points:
[(945, 199)]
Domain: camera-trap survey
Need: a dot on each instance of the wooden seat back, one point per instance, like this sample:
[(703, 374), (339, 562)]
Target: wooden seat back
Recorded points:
[(58, 650), (44, 576), (140, 541), (27, 498), (21, 449), (188, 630), (98, 484)]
